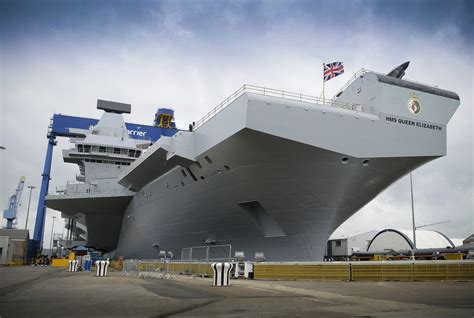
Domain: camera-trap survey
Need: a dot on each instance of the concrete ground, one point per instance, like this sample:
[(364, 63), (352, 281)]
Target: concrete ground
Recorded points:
[(48, 292)]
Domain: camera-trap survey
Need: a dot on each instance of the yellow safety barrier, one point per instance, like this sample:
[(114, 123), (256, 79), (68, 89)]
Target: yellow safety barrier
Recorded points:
[(60, 262), (368, 271), (116, 265), (382, 272), (149, 266), (453, 256), (327, 271), (16, 262)]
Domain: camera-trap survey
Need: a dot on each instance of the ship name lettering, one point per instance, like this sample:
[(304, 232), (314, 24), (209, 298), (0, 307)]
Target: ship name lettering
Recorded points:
[(137, 133), (406, 122), (413, 123)]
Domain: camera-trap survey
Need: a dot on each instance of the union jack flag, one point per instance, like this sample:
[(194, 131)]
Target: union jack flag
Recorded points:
[(332, 70)]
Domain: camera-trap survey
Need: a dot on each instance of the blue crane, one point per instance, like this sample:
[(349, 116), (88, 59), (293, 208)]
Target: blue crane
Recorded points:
[(13, 203)]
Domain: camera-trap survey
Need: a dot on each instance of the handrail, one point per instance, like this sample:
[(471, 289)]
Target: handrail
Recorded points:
[(247, 88), (361, 72)]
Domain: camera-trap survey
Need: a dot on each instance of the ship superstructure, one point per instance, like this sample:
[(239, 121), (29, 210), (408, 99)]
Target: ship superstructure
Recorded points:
[(276, 172)]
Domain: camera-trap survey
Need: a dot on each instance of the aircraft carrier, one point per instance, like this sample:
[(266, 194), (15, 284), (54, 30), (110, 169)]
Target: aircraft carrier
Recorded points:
[(266, 171)]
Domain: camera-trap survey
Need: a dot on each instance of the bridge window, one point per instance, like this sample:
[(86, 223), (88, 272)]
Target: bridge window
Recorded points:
[(102, 149), (137, 154), (117, 150), (87, 148)]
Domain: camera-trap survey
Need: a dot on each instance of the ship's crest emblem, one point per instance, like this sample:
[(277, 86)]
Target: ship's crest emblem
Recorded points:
[(413, 104)]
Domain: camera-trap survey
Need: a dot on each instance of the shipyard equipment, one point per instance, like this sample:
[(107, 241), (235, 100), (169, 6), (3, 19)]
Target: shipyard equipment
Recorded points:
[(13, 202)]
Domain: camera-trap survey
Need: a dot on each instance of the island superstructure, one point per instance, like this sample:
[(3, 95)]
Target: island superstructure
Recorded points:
[(267, 171)]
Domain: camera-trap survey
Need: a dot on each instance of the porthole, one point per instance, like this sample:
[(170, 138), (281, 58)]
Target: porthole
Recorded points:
[(182, 183), (218, 171), (344, 160), (227, 167), (183, 173), (202, 178), (208, 159), (198, 164), (365, 162)]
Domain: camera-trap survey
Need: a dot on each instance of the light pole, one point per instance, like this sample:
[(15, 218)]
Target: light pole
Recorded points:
[(29, 201), (413, 212), (52, 234)]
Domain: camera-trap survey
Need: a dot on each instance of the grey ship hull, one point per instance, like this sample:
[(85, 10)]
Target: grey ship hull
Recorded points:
[(304, 191)]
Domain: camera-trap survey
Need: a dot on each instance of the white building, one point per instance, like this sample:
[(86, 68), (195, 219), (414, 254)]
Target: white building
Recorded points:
[(341, 246), (393, 239)]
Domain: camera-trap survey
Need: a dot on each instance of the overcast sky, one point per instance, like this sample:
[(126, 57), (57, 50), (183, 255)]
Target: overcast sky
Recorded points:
[(61, 56)]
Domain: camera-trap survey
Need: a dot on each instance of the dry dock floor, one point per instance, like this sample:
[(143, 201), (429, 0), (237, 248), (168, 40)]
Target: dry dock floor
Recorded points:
[(51, 292)]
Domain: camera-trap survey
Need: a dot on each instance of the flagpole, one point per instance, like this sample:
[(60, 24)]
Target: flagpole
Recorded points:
[(323, 86)]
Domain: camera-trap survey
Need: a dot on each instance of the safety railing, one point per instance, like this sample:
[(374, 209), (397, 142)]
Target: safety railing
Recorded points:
[(356, 75), (78, 188), (271, 92)]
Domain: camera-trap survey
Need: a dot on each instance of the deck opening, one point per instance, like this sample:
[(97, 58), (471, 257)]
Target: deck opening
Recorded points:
[(262, 219), (191, 174)]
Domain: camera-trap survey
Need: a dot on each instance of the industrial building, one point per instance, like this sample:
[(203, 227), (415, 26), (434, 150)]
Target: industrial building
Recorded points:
[(13, 246)]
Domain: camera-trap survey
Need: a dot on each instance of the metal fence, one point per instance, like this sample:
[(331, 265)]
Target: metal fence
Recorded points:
[(165, 269), (207, 253), (195, 261)]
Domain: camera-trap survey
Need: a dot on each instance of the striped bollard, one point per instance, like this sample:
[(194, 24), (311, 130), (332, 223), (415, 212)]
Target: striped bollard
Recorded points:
[(101, 268), (72, 266), (221, 273)]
